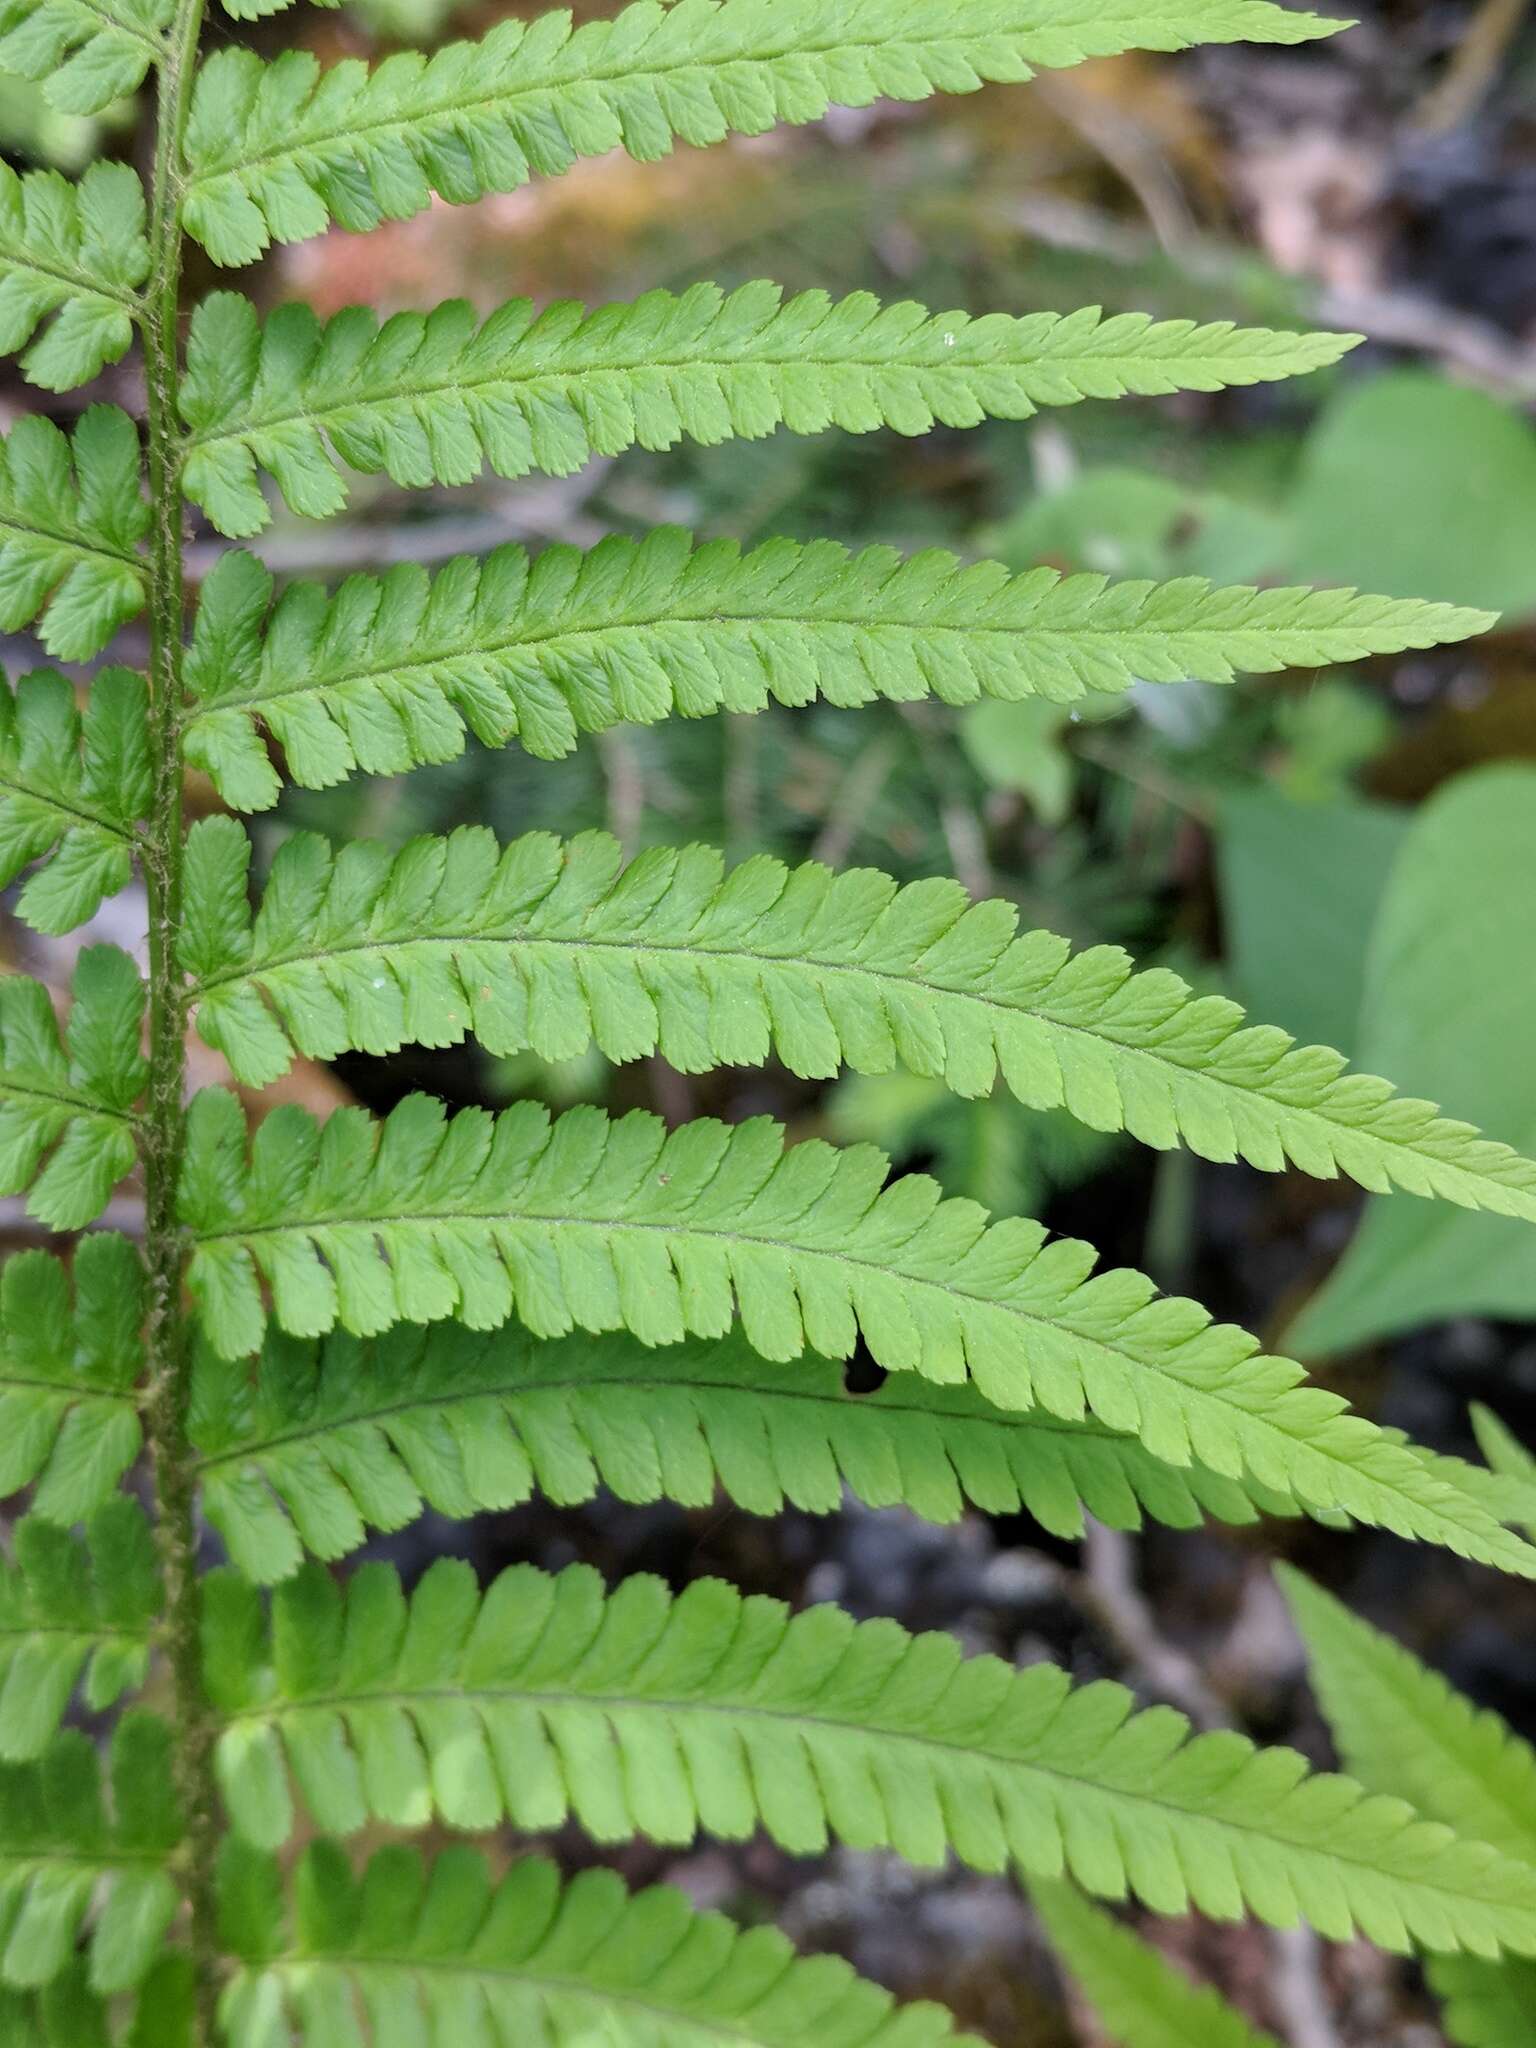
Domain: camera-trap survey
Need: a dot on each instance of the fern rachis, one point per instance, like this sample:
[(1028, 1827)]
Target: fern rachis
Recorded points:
[(659, 1313)]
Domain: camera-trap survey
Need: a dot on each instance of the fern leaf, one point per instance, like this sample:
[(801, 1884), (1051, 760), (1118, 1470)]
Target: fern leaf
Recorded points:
[(83, 53), (71, 1614), (1141, 1998), (68, 1364), (1398, 1723), (1512, 1466), (554, 946), (77, 252), (605, 1225), (75, 1863), (389, 672), (439, 1952), (276, 151), (644, 1715), (73, 787), (1487, 2005), (432, 398), (72, 516), (325, 1443), (68, 2014), (67, 1122)]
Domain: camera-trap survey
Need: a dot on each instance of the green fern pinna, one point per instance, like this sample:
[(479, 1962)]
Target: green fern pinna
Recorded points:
[(330, 1327)]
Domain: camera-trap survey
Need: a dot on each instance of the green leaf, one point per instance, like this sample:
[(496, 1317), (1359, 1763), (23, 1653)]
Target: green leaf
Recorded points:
[(389, 672), (1412, 438), (1511, 1462), (603, 1225), (325, 1443), (75, 251), (76, 1866), (73, 1615), (1141, 1999), (448, 1952), (67, 1125), (1450, 984), (67, 1370), (1301, 885), (84, 53), (73, 787), (1487, 2005), (1398, 1724), (432, 398), (278, 150), (72, 516), (640, 1714), (552, 946)]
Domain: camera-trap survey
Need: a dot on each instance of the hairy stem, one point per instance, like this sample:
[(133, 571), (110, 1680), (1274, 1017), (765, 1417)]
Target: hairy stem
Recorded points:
[(167, 1354)]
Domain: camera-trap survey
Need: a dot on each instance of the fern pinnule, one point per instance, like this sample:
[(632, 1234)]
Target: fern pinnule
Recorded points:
[(1397, 1722), (599, 1225), (553, 946), (71, 1351), (67, 1097), (277, 151), (434, 398), (1142, 1999), (72, 257), (73, 1613), (84, 1847), (73, 785), (390, 671), (644, 1714), (324, 1443), (445, 1946), (84, 54), (72, 518)]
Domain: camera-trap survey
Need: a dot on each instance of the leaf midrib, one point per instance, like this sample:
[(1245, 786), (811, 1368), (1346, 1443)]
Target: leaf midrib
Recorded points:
[(85, 284), (1034, 1419), (74, 812)]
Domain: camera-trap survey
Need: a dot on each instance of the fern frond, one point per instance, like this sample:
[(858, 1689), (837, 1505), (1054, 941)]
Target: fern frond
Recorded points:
[(73, 1613), (433, 398), (389, 672), (444, 1952), (81, 1858), (73, 786), (324, 1443), (77, 251), (1398, 1723), (1487, 2005), (603, 1225), (72, 515), (279, 150), (1512, 1467), (1142, 2000), (67, 1120), (83, 53), (553, 946), (641, 1714), (69, 1359)]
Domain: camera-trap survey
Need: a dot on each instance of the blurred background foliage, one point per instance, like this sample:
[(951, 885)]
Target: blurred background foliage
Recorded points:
[(1351, 854)]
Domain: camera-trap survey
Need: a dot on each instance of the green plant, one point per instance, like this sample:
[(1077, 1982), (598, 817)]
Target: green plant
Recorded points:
[(659, 1312)]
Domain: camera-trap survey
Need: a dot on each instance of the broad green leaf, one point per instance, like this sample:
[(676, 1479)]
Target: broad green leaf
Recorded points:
[(1449, 998)]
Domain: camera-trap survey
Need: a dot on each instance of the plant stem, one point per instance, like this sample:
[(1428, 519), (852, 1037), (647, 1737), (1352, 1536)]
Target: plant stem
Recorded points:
[(166, 1346)]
